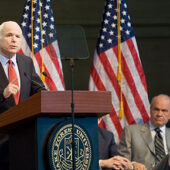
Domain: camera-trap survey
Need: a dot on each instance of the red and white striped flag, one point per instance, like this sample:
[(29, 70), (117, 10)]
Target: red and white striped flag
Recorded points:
[(40, 42), (117, 68)]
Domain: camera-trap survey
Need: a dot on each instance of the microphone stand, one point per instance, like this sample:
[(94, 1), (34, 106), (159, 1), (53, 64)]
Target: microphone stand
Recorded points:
[(73, 114)]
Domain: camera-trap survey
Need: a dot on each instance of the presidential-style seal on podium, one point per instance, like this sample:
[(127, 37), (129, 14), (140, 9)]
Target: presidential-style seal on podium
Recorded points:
[(60, 147)]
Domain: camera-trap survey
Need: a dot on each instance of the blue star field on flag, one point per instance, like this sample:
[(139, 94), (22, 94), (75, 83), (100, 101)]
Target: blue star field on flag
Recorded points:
[(43, 29), (108, 33)]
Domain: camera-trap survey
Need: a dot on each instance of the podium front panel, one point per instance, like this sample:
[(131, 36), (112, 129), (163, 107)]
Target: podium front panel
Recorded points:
[(49, 144)]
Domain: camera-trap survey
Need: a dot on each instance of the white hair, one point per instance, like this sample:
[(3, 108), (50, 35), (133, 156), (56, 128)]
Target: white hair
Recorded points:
[(3, 24), (160, 95), (1, 27)]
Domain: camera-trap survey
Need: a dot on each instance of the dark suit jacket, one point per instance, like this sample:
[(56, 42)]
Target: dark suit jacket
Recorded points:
[(107, 145), (28, 87), (164, 164)]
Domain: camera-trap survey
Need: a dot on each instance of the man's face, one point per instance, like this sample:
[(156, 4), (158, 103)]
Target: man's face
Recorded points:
[(160, 111), (10, 41)]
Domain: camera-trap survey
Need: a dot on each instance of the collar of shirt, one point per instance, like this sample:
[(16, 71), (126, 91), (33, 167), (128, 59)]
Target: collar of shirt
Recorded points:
[(163, 131), (5, 64), (163, 128), (4, 60)]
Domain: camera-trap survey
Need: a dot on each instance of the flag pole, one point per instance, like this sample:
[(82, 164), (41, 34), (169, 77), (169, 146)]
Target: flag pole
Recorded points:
[(32, 30), (119, 75), (73, 113), (42, 63)]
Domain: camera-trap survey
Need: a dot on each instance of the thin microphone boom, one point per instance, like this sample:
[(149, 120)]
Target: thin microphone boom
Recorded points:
[(36, 83), (46, 75)]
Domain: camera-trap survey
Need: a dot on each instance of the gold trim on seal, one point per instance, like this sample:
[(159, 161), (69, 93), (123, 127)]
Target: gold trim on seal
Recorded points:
[(62, 149)]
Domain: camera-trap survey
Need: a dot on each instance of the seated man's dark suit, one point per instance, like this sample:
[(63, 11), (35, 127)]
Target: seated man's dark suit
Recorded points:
[(27, 89), (164, 164), (107, 145)]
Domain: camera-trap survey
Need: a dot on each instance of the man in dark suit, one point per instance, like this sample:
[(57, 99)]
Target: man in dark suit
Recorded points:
[(109, 157), (138, 142), (106, 140), (10, 43)]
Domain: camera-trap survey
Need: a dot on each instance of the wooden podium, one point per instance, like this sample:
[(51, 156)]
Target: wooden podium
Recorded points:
[(30, 123)]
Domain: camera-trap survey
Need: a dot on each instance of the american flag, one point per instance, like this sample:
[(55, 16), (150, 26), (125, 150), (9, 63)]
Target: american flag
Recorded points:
[(117, 68), (40, 42)]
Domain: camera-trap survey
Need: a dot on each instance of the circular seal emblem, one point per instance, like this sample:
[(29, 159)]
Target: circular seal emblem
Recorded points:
[(60, 148)]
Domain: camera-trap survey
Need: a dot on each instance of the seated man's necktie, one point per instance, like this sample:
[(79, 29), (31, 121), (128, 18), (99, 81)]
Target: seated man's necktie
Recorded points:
[(159, 146)]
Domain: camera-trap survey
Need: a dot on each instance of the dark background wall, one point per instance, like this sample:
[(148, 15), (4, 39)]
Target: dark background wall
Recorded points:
[(151, 23)]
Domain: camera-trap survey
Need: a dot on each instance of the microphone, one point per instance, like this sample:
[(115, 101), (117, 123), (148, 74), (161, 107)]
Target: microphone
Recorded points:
[(36, 83), (46, 75)]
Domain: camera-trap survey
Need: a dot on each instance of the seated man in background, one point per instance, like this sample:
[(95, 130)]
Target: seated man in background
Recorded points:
[(150, 142), (109, 157)]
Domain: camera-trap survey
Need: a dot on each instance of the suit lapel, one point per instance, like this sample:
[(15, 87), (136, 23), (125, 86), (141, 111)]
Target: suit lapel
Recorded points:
[(3, 83), (3, 78), (21, 69), (146, 134), (168, 139)]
